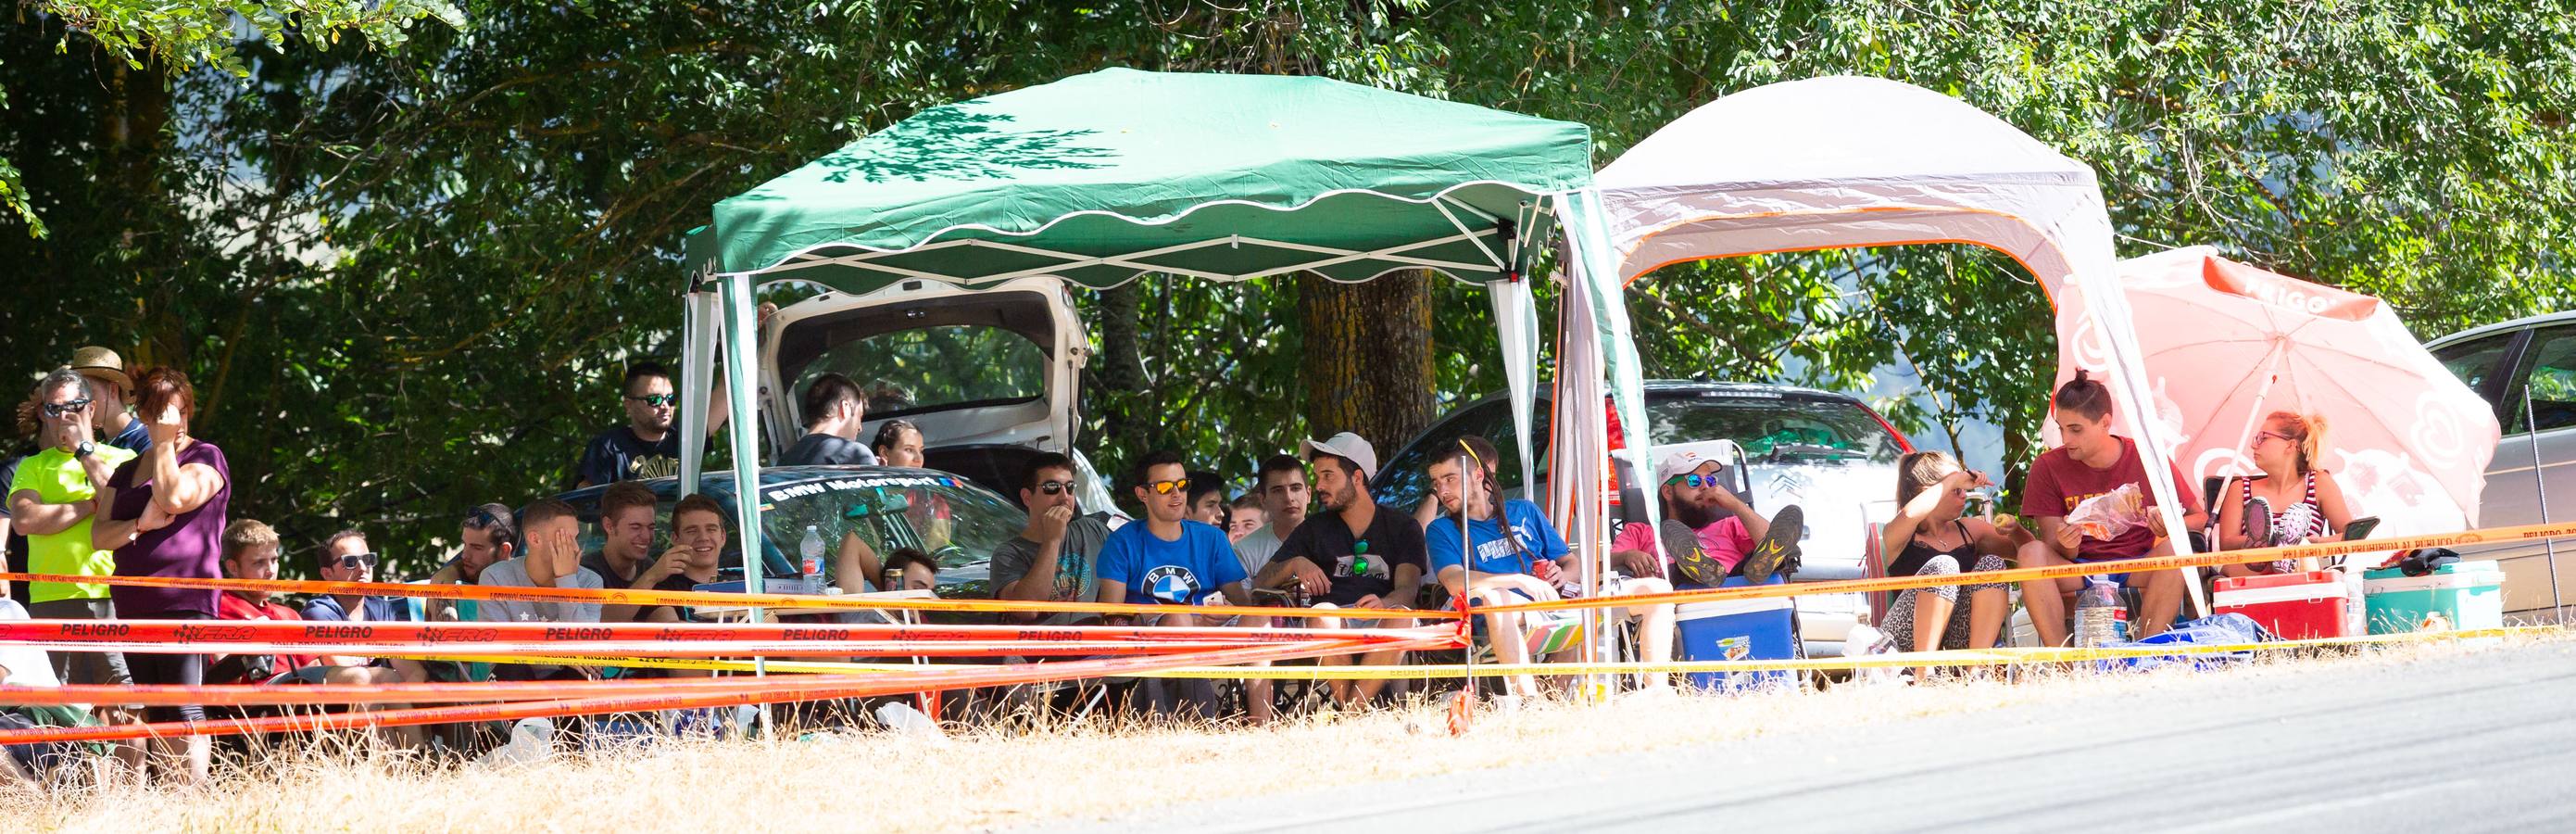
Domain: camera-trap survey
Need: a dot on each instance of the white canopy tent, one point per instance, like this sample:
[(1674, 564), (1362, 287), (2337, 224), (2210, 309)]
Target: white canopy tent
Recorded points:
[(1829, 163)]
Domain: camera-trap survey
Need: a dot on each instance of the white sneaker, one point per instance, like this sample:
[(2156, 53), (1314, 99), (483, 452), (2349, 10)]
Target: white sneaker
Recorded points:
[(1506, 704)]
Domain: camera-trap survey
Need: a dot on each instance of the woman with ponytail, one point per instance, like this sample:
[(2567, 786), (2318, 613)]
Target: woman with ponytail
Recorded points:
[(2292, 502)]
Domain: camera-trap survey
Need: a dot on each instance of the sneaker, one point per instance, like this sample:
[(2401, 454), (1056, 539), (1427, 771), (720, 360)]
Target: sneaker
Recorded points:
[(1778, 547), (2258, 522), (1689, 559)]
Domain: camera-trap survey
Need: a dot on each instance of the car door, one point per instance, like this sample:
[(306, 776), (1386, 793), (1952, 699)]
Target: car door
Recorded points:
[(2538, 405)]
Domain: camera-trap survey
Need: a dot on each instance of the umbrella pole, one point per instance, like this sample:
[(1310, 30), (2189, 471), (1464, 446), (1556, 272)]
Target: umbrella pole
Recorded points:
[(2540, 484)]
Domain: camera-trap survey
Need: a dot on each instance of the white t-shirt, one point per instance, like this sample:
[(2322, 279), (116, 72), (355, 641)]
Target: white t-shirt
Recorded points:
[(25, 666), (1256, 549), (514, 574)]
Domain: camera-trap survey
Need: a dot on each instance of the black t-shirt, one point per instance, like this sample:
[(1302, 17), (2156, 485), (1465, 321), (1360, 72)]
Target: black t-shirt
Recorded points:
[(820, 449), (1392, 541), (618, 455)]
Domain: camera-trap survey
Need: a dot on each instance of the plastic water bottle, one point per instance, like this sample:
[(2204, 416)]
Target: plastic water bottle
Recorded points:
[(2099, 618), (812, 550)]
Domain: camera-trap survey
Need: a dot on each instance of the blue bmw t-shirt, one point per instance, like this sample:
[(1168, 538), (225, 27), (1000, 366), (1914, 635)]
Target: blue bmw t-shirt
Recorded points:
[(1170, 572), (1538, 540)]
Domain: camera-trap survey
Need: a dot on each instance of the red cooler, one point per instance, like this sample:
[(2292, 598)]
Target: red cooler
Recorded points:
[(2296, 606)]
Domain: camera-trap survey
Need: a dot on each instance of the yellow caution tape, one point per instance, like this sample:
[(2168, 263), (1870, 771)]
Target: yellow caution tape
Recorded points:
[(1905, 660)]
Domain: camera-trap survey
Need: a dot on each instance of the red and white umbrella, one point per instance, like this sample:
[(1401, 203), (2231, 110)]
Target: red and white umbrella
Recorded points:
[(2225, 343)]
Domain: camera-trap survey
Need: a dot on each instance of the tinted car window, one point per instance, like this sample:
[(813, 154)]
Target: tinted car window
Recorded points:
[(2474, 361), (1775, 428), (936, 367), (2551, 381)]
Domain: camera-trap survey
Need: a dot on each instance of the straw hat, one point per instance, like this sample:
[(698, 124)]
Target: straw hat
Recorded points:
[(100, 363)]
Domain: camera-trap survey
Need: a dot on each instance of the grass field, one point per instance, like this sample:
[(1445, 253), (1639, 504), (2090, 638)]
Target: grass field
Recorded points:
[(985, 778)]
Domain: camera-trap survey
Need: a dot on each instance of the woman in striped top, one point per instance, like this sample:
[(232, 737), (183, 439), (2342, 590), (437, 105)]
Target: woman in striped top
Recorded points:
[(2303, 503)]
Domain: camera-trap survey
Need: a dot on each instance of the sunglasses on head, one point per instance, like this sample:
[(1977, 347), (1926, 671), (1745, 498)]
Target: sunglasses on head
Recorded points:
[(1168, 487), (1054, 487), (351, 560), (1696, 481), (656, 399), (61, 410)]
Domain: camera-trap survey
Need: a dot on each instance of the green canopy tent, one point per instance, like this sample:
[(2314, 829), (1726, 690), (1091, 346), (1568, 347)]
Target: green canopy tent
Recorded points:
[(1101, 178)]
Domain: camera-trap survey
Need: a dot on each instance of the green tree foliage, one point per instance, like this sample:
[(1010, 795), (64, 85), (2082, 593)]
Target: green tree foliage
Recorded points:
[(407, 278)]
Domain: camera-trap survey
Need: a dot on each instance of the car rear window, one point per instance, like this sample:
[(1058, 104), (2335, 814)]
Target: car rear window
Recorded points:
[(1774, 426)]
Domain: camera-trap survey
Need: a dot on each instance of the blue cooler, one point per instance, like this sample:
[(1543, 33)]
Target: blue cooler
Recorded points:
[(2469, 595), (1739, 629)]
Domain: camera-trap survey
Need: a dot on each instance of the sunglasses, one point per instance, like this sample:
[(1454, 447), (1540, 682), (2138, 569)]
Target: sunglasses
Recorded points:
[(1696, 481), (1168, 487), (656, 399), (1055, 487), (61, 410), (351, 560)]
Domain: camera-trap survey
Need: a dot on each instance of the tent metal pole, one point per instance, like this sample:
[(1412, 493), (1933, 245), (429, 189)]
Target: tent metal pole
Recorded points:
[(698, 321), (744, 431), (2540, 484)]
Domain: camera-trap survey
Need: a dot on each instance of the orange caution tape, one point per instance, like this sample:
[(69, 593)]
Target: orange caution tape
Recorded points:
[(307, 632), (2526, 532), (628, 596), (611, 648), (761, 690)]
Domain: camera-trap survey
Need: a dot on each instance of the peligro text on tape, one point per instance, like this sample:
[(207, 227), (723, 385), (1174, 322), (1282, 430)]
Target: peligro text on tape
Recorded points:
[(1047, 648), (1907, 660), (781, 690), (295, 632), (2150, 563), (628, 596)]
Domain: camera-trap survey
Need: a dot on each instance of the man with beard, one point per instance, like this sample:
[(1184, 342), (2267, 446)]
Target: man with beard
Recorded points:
[(490, 537), (1360, 554), (1708, 533), (1505, 552)]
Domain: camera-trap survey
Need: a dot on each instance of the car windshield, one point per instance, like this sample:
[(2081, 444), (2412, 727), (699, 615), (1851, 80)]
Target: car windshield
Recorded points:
[(1775, 428), (933, 368), (953, 520)]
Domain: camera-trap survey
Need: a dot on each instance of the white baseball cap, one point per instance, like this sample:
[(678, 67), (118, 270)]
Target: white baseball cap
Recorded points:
[(1346, 445), (1686, 461)]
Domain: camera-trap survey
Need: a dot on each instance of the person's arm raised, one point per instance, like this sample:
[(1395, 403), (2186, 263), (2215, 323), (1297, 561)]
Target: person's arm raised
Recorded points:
[(178, 489)]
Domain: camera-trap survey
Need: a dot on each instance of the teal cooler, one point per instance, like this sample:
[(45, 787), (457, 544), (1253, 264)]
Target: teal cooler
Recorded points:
[(2468, 594), (1739, 629)]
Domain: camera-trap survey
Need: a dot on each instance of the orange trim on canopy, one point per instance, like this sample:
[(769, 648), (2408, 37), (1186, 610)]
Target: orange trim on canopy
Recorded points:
[(2017, 259)]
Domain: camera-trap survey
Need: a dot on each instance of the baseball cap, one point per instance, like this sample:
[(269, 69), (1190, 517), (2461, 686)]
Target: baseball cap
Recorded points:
[(104, 364), (1346, 445), (1685, 461)]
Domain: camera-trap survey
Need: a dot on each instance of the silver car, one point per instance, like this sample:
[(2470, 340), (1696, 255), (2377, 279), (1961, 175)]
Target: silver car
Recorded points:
[(2504, 362)]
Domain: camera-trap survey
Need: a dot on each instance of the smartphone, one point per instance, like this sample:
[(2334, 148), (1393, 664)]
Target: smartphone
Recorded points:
[(2360, 528)]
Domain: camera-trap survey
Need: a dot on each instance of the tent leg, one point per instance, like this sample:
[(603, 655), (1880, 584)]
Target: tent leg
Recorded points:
[(699, 319), (745, 433)]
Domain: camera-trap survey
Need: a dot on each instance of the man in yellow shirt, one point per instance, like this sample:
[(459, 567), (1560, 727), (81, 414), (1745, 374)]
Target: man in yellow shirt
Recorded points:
[(51, 502)]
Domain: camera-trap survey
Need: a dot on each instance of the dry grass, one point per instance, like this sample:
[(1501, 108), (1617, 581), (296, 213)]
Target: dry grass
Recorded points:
[(989, 778)]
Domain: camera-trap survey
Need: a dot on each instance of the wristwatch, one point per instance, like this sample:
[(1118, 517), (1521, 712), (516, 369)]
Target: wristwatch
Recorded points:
[(85, 449)]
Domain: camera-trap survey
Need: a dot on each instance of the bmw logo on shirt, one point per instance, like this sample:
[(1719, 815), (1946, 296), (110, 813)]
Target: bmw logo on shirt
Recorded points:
[(1172, 583)]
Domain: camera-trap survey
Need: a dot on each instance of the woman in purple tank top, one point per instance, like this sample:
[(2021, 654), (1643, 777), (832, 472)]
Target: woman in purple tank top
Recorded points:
[(165, 517)]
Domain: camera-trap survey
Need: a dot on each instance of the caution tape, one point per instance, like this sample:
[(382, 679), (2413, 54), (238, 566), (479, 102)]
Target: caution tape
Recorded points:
[(1907, 660), (312, 633), (2149, 564), (729, 648), (629, 596), (761, 690)]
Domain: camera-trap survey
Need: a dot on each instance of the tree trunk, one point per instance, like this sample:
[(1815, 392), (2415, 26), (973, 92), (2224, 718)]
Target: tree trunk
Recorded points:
[(1368, 365), (1117, 381)]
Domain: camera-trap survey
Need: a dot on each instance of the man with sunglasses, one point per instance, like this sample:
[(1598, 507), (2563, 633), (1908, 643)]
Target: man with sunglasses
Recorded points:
[(1167, 559), (489, 535), (1361, 554), (53, 502), (347, 558), (646, 447), (1710, 533), (1055, 558)]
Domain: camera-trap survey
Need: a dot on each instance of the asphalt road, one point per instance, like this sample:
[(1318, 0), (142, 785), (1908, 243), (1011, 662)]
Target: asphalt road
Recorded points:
[(2481, 741)]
